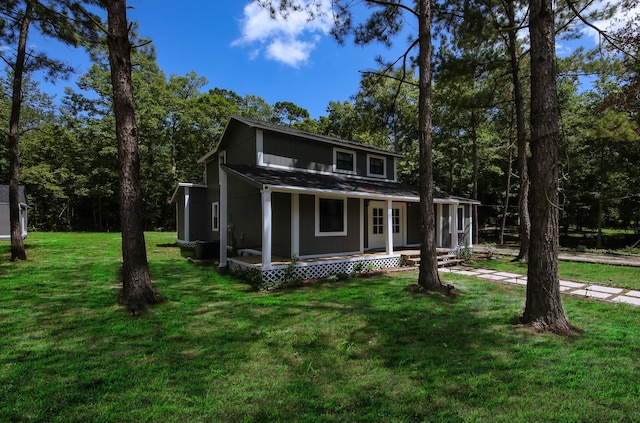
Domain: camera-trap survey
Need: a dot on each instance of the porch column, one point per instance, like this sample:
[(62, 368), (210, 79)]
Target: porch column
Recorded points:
[(439, 225), (471, 206), (295, 225), (187, 234), (362, 228), (266, 229), (389, 237), (454, 227), (222, 210)]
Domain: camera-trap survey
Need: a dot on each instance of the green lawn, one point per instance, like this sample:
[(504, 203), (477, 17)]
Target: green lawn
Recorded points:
[(607, 275), (367, 349)]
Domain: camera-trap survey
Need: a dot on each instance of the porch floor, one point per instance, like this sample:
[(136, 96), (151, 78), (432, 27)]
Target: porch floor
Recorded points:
[(256, 260)]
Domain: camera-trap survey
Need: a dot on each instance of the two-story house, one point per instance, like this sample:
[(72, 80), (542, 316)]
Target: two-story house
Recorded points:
[(273, 192)]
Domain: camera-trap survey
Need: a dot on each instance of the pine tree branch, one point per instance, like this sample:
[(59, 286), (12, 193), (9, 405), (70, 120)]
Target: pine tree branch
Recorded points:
[(611, 40), (398, 5)]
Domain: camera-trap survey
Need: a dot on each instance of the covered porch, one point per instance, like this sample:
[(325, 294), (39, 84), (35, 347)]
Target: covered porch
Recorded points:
[(320, 267)]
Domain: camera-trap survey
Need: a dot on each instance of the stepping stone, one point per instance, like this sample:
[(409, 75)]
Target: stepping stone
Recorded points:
[(508, 275), (633, 294), (589, 293), (519, 281), (570, 284), (485, 271), (629, 300), (465, 272), (491, 276), (606, 289)]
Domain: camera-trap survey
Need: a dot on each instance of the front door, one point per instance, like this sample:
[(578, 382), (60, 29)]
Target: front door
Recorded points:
[(378, 224)]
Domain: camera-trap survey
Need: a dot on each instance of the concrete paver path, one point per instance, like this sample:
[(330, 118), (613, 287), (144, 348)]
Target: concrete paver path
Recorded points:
[(632, 260), (581, 289)]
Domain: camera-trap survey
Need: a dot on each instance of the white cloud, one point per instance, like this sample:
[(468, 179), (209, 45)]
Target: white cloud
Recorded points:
[(288, 40), (616, 22)]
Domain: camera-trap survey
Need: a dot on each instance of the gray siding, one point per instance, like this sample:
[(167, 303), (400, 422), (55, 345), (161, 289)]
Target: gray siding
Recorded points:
[(413, 223), (244, 214), (199, 219), (5, 223), (281, 224), (312, 245), (241, 147), (282, 150), (288, 151), (446, 238), (179, 217)]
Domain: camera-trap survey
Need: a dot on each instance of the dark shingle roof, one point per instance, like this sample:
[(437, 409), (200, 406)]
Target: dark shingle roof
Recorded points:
[(288, 179)]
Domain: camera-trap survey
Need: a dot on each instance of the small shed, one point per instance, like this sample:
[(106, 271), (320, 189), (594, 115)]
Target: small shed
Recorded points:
[(5, 224)]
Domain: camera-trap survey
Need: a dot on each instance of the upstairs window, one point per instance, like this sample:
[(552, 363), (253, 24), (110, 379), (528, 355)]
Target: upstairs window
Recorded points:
[(377, 166), (344, 161)]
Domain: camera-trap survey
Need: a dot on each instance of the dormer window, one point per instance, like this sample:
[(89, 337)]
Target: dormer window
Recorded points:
[(344, 161), (376, 166)]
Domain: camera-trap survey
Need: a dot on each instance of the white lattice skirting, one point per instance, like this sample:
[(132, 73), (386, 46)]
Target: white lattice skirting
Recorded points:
[(319, 269)]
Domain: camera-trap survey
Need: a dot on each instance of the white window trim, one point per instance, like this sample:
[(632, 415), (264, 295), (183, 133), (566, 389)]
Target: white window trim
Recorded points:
[(344, 217), (215, 216), (384, 166), (335, 161)]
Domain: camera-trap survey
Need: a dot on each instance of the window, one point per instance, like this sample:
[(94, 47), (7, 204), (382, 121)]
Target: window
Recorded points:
[(215, 216), (377, 166), (378, 221), (331, 217), (344, 161), (396, 221)]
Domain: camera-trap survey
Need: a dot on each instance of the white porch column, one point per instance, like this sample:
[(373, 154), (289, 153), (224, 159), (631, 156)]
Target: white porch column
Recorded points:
[(222, 210), (295, 225), (389, 237), (266, 229), (454, 227), (471, 206), (362, 228), (187, 235), (439, 225)]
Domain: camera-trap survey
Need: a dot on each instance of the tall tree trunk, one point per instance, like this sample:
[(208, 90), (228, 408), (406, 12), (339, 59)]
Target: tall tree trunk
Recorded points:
[(428, 277), (17, 246), (543, 307), (521, 135), (503, 223), (474, 158), (137, 289)]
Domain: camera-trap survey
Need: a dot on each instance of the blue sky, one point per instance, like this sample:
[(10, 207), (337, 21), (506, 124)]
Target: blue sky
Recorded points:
[(236, 46), (244, 51)]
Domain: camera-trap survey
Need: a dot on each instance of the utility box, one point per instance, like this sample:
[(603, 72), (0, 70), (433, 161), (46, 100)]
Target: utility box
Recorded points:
[(207, 250)]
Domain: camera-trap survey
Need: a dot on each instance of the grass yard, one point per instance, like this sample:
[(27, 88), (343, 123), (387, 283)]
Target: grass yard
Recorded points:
[(365, 349), (607, 275)]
